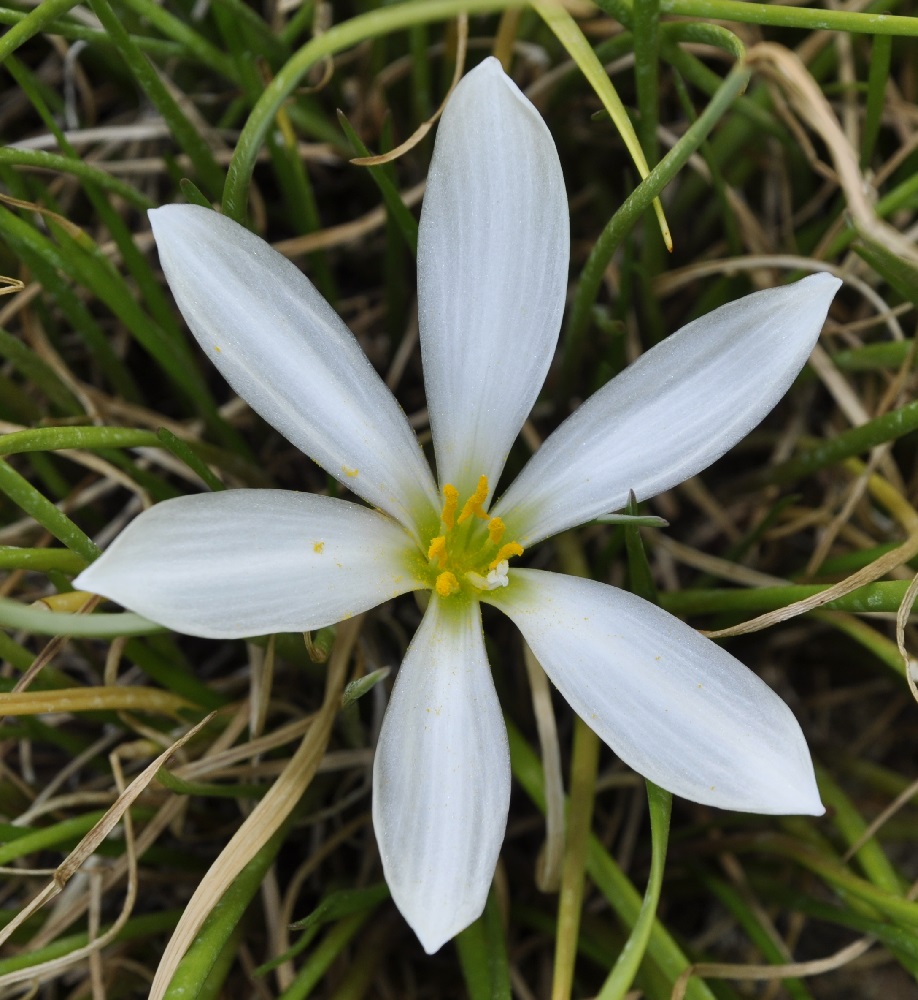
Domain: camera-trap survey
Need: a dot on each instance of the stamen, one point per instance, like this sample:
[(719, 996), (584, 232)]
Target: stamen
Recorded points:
[(474, 504), (451, 502), (460, 561), (437, 550), (446, 584), (506, 552)]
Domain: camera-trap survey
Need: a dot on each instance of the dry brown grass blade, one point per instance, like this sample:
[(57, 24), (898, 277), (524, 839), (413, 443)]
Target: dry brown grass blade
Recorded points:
[(551, 856), (789, 73), (714, 970), (900, 509), (73, 231), (901, 800), (52, 648), (905, 609), (93, 949), (868, 574), (462, 40), (348, 232), (265, 818), (99, 832), (92, 699)]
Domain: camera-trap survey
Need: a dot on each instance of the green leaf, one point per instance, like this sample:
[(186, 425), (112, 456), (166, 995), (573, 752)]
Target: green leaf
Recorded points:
[(483, 955), (205, 965), (900, 273), (640, 576), (182, 450), (629, 960), (343, 903), (406, 223), (148, 78), (358, 688)]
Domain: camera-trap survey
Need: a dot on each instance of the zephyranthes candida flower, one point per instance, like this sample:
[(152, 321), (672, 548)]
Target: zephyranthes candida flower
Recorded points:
[(492, 274)]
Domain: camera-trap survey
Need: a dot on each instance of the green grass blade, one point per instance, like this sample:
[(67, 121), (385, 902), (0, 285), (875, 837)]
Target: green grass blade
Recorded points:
[(877, 80), (624, 899), (96, 626), (186, 134), (483, 956), (808, 18), (635, 205), (194, 46), (35, 21), (37, 159), (629, 960), (373, 24), (398, 211), (39, 507), (205, 965)]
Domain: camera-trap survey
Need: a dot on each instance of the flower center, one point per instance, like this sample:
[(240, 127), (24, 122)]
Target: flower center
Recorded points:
[(470, 551)]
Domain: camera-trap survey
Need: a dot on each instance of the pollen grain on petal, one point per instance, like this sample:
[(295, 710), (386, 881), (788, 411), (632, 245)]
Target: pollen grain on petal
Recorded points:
[(317, 547), (350, 473)]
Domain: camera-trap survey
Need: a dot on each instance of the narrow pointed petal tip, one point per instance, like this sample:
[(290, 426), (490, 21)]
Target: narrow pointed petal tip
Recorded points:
[(672, 704), (493, 250), (286, 352), (441, 777), (668, 416)]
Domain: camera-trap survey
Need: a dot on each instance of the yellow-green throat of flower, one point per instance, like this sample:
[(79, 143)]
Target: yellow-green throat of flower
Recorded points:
[(469, 553)]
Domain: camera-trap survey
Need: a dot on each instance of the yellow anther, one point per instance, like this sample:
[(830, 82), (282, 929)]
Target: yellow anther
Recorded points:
[(507, 551), (474, 505), (437, 550), (496, 529), (450, 503), (446, 584)]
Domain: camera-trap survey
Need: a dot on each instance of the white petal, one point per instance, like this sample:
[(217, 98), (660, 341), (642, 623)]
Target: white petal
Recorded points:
[(679, 407), (493, 252), (288, 355), (441, 779), (672, 704), (251, 562)]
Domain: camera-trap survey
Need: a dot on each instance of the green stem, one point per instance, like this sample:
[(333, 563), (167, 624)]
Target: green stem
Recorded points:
[(57, 438), (39, 621), (606, 874), (584, 764), (37, 159), (38, 506), (855, 441), (637, 203), (629, 960), (34, 22), (186, 134), (886, 595), (40, 560), (341, 36), (646, 72), (779, 16), (193, 44)]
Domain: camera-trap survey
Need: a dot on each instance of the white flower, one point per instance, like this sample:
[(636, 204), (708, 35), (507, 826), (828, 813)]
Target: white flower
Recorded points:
[(492, 274)]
